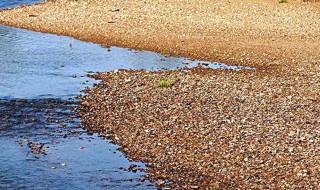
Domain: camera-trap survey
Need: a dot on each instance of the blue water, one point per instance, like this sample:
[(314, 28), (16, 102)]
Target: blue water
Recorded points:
[(41, 65), (14, 3), (36, 65)]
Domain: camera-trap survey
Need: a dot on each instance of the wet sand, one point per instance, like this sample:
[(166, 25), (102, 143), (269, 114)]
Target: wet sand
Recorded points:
[(211, 128)]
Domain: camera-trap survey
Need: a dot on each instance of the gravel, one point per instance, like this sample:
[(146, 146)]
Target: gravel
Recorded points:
[(249, 129), (213, 128)]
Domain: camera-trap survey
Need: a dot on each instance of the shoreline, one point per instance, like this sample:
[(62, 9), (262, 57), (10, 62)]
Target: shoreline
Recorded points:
[(210, 128), (216, 38)]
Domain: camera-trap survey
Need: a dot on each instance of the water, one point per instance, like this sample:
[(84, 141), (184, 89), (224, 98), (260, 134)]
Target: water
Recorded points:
[(40, 76), (49, 66), (81, 161), (14, 3)]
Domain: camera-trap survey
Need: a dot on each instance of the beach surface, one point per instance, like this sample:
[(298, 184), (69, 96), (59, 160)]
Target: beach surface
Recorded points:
[(212, 128), (261, 33), (221, 129)]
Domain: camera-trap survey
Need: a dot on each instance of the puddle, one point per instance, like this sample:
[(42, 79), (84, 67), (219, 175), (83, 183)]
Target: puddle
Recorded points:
[(40, 76)]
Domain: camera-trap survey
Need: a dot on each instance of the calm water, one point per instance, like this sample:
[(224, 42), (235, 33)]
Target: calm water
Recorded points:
[(14, 3), (49, 66), (40, 76)]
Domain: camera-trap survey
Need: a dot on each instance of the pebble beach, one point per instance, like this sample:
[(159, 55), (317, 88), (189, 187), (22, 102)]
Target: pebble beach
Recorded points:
[(213, 129), (203, 128)]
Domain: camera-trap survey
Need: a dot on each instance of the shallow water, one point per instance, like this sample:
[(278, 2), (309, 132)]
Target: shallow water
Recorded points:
[(14, 3), (47, 72), (40, 76), (49, 66), (81, 161)]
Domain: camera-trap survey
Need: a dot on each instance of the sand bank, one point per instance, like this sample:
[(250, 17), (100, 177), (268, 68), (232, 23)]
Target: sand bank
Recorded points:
[(252, 33)]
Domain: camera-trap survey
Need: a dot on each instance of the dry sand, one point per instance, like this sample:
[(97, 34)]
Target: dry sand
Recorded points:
[(220, 129)]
